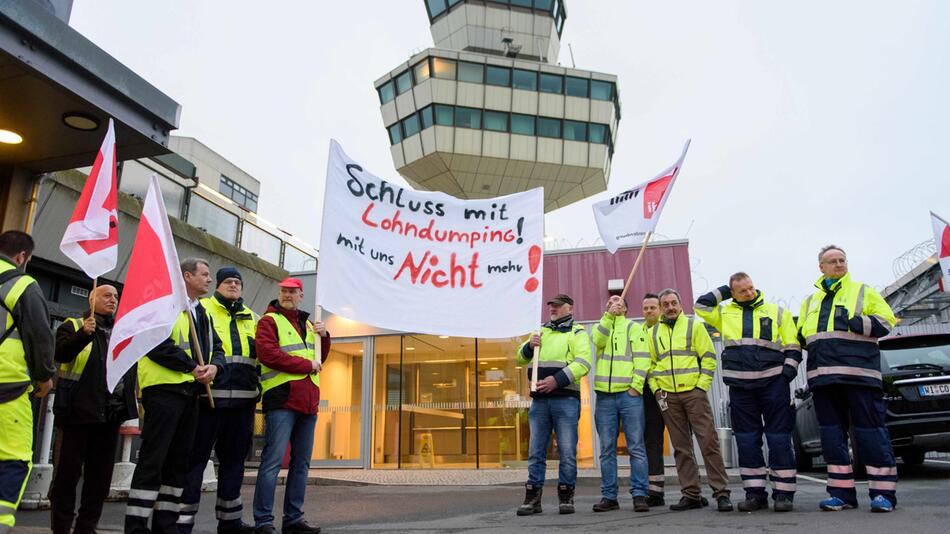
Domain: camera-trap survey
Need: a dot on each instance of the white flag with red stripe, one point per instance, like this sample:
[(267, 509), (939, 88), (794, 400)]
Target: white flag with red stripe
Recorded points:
[(942, 240), (154, 294), (625, 219), (92, 238)]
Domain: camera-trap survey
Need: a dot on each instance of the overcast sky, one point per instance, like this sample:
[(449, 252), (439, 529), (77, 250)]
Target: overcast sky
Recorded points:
[(812, 121)]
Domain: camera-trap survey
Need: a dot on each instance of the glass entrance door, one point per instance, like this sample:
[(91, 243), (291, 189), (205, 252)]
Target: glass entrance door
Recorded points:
[(338, 438)]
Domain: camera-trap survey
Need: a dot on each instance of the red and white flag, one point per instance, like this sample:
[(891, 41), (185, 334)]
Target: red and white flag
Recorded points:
[(92, 237), (154, 294), (626, 219), (942, 240)]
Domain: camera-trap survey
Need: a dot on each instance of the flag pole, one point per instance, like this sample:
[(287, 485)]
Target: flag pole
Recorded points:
[(196, 350), (626, 286), (92, 297)]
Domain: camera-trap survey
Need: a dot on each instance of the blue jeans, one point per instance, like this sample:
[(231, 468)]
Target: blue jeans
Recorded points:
[(559, 414), (612, 410), (283, 427)]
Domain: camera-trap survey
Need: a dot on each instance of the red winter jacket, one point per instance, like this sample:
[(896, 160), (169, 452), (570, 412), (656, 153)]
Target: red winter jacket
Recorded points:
[(298, 395)]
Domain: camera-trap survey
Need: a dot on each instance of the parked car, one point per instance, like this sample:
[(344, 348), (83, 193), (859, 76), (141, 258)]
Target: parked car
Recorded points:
[(916, 372)]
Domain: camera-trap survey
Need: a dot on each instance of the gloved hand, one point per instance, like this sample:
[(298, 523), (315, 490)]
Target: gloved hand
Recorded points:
[(789, 373), (856, 324)]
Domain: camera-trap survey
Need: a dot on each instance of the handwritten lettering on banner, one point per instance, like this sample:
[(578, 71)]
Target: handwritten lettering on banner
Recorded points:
[(427, 262)]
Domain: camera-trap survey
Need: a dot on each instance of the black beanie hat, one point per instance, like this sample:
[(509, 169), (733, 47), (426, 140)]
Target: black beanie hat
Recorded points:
[(228, 272)]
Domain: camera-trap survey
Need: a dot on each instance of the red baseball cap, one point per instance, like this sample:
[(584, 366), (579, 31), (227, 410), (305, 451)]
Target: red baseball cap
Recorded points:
[(291, 282)]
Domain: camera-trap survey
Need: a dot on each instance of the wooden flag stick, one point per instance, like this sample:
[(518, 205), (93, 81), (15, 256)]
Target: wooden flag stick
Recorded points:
[(318, 348), (626, 286), (534, 365), (92, 297), (196, 350)]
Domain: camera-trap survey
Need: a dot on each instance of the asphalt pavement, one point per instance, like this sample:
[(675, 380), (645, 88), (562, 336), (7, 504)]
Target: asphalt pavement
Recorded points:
[(923, 507)]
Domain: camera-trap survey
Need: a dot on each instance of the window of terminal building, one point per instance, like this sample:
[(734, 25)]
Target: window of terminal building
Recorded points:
[(600, 90), (496, 121), (386, 92), (410, 125), (522, 124), (444, 115), (545, 5), (598, 133), (471, 72), (435, 8), (443, 68), (548, 127), (468, 118), (575, 131), (395, 134), (421, 71), (237, 193), (522, 3), (136, 176), (426, 117), (525, 79), (212, 218), (403, 82), (576, 87), (261, 243), (499, 76), (551, 83), (296, 260), (449, 402)]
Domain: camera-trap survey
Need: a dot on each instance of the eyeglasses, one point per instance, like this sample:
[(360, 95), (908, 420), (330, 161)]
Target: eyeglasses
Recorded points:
[(231, 282)]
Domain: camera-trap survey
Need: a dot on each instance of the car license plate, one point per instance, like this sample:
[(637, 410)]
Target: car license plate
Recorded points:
[(931, 390)]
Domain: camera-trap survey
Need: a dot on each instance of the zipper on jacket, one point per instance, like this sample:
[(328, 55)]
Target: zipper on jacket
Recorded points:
[(610, 375), (672, 362)]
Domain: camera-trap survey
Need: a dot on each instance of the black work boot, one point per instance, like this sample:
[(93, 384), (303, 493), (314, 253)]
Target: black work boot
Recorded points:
[(655, 499), (783, 503), (723, 504), (686, 503), (752, 503), (532, 500), (565, 499), (640, 504), (606, 505)]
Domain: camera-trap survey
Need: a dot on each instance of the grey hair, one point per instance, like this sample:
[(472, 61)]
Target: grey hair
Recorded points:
[(190, 265), (737, 277), (670, 291), (826, 248)]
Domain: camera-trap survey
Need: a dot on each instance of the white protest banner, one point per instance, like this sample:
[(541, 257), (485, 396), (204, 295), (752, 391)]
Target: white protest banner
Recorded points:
[(427, 262), (627, 218)]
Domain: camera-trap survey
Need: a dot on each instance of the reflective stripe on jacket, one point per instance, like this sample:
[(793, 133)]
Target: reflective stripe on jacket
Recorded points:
[(759, 338), (240, 384), (840, 327), (72, 371), (683, 357), (154, 374), (13, 366), (292, 344), (623, 358)]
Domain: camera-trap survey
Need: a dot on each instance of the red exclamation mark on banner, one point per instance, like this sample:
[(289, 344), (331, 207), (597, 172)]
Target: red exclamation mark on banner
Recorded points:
[(534, 261)]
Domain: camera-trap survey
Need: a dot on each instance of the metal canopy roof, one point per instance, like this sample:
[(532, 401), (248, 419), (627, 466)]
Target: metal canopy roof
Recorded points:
[(48, 69)]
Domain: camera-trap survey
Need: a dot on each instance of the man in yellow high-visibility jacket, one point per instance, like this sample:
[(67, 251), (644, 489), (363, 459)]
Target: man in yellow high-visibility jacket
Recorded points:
[(620, 373), (170, 379), (26, 358), (840, 325), (563, 359), (88, 415), (684, 364)]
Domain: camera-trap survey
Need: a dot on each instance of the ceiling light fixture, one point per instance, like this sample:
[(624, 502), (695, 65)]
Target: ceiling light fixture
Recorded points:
[(80, 121), (10, 137)]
